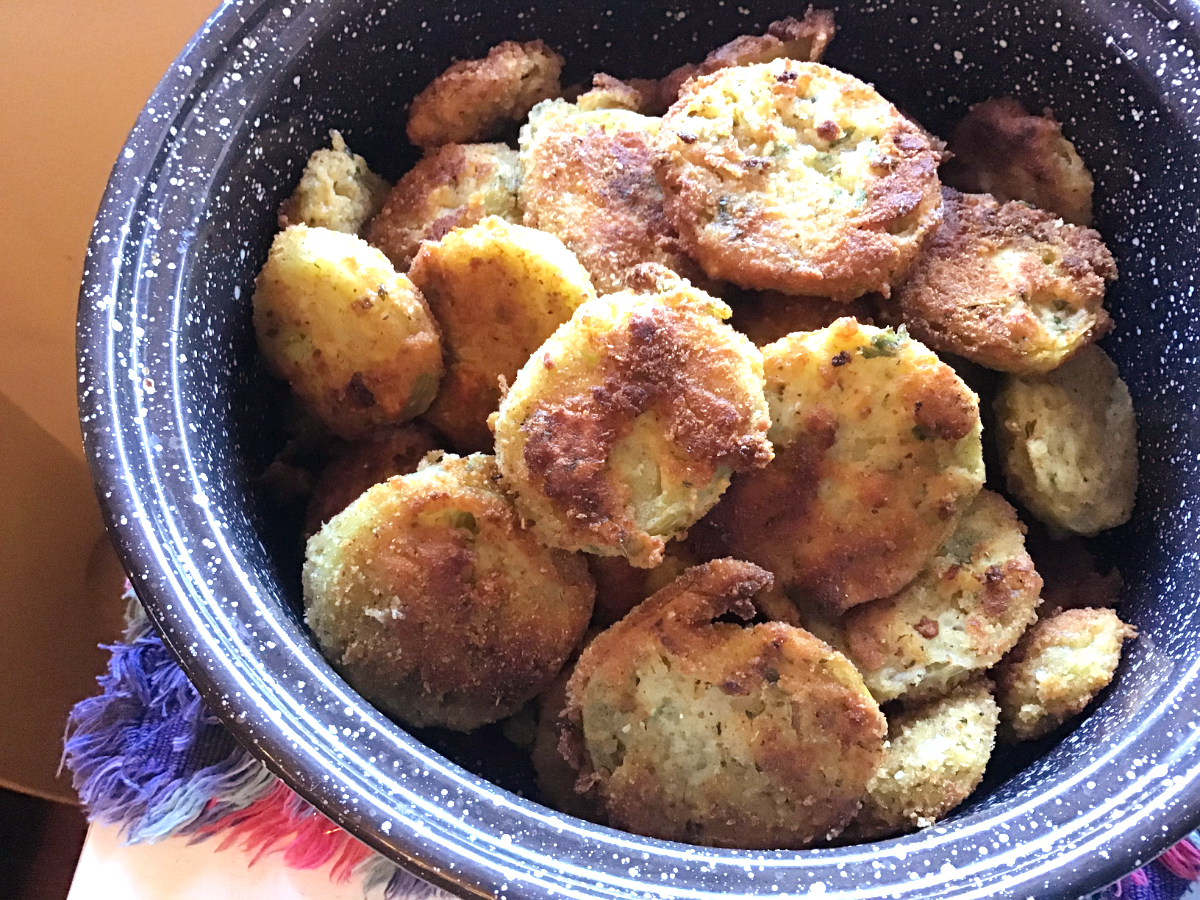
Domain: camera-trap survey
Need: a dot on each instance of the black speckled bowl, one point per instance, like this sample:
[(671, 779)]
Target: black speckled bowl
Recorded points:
[(178, 417)]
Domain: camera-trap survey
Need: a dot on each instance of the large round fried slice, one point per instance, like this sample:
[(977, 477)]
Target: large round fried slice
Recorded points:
[(1000, 149), (451, 187), (936, 756), (1008, 286), (623, 429), (498, 291), (966, 609), (587, 179), (795, 177), (352, 336), (691, 728), (433, 602), (477, 99), (1057, 669), (1068, 444), (877, 452)]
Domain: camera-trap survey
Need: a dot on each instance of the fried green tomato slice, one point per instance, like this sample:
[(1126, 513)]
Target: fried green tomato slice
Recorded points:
[(363, 464), (1068, 444), (877, 453), (1008, 286), (478, 99), (692, 728), (451, 187), (431, 600), (498, 291), (623, 429), (1056, 670), (1000, 149), (935, 756), (336, 191), (587, 179), (795, 177), (352, 336), (966, 609)]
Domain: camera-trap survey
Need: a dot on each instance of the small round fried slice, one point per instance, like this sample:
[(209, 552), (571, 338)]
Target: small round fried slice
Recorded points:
[(966, 609), (477, 99), (1056, 670), (624, 427), (451, 187), (803, 39), (337, 191), (431, 600), (587, 179), (935, 756), (1068, 444), (795, 177), (768, 316), (499, 291), (353, 338), (363, 464), (877, 453), (691, 728), (1000, 149), (1008, 286)]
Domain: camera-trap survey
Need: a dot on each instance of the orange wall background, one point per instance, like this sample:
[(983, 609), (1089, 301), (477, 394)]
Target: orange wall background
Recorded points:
[(73, 76)]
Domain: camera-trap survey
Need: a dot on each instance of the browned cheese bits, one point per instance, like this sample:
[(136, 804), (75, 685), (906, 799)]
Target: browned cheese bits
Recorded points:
[(431, 600), (877, 453), (799, 178), (1008, 286), (691, 728), (478, 99), (624, 427)]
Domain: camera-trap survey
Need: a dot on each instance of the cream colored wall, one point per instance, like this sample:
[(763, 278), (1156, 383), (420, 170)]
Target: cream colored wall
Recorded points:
[(73, 76)]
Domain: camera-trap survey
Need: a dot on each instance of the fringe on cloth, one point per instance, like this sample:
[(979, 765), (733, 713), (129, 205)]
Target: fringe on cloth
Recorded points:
[(146, 755)]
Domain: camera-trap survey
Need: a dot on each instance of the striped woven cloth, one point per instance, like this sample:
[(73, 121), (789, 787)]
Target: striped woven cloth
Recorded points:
[(147, 756)]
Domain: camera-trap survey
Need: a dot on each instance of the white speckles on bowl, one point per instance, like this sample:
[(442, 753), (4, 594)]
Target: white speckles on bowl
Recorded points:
[(178, 417)]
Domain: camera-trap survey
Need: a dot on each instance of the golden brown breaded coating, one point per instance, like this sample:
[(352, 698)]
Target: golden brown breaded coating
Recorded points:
[(623, 429), (363, 464), (451, 187), (555, 776), (587, 179), (967, 608), (795, 177), (1068, 444), (608, 92), (499, 291), (336, 191), (1056, 670), (935, 756), (477, 99), (1000, 149), (620, 587), (877, 452), (802, 39), (767, 316), (431, 600), (1007, 286), (692, 729), (353, 338)]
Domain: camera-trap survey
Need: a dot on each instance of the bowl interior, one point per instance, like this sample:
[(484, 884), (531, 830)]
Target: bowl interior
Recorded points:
[(181, 418)]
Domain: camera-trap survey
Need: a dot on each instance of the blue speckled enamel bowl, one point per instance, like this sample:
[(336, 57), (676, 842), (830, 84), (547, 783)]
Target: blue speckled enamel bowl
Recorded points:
[(179, 419)]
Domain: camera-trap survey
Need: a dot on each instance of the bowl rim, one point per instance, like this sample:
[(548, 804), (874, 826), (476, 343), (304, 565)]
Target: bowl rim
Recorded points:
[(187, 591)]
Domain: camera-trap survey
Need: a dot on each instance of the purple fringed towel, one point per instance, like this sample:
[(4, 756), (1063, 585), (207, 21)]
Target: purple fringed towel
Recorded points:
[(148, 756)]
